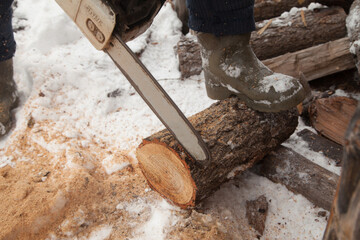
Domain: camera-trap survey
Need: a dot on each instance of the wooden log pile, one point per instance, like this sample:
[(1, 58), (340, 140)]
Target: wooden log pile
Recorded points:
[(293, 32), (312, 41)]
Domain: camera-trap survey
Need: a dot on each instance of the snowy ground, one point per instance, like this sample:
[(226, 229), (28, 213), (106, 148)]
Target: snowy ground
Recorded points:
[(69, 162)]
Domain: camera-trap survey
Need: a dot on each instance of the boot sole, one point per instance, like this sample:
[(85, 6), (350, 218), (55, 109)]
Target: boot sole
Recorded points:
[(221, 93)]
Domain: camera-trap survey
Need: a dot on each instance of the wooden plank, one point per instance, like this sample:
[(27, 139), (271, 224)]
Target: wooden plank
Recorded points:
[(315, 62)]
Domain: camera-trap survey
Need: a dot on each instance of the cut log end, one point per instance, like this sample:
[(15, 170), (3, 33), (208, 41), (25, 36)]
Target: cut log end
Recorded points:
[(167, 173)]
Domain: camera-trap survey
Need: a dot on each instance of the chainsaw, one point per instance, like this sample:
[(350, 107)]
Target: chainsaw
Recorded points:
[(108, 26)]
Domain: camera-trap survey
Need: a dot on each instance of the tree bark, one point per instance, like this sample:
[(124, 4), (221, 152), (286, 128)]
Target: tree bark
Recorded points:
[(190, 62), (331, 116), (315, 62), (344, 221), (300, 175), (290, 34), (237, 137), (317, 143)]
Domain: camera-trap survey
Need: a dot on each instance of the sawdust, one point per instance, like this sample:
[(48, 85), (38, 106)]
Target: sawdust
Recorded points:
[(42, 190), (67, 193)]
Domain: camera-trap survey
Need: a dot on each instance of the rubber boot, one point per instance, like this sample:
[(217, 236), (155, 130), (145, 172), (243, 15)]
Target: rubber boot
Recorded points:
[(8, 95), (231, 67), (183, 14)]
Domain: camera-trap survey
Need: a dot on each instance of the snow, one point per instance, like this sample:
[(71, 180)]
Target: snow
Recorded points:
[(353, 22), (282, 220), (297, 144), (2, 129), (355, 45), (102, 233), (284, 19), (342, 93), (161, 218), (6, 160), (62, 79), (111, 166), (280, 83), (231, 71)]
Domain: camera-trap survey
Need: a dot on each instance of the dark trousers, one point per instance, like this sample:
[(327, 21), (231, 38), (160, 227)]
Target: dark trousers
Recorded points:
[(221, 17), (7, 42)]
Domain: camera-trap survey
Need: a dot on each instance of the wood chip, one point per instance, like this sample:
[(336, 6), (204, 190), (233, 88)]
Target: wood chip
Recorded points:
[(256, 213), (301, 2), (303, 18), (265, 27)]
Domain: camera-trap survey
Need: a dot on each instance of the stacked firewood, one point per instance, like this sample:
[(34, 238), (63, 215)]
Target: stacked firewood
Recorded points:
[(313, 42)]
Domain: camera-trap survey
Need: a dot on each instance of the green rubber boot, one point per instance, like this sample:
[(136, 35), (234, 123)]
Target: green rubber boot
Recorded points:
[(231, 68), (8, 95)]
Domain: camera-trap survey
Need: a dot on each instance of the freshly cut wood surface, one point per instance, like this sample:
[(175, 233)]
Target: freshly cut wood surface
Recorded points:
[(158, 160), (289, 34), (331, 116), (237, 137), (315, 62), (300, 175)]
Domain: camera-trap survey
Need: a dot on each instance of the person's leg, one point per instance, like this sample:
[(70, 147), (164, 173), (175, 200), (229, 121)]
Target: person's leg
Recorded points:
[(8, 93), (223, 29), (182, 12)]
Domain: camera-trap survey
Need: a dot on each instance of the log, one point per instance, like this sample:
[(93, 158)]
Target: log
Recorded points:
[(331, 116), (315, 62), (300, 176), (344, 221), (317, 143), (266, 9), (237, 137), (189, 57), (256, 213), (289, 34)]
